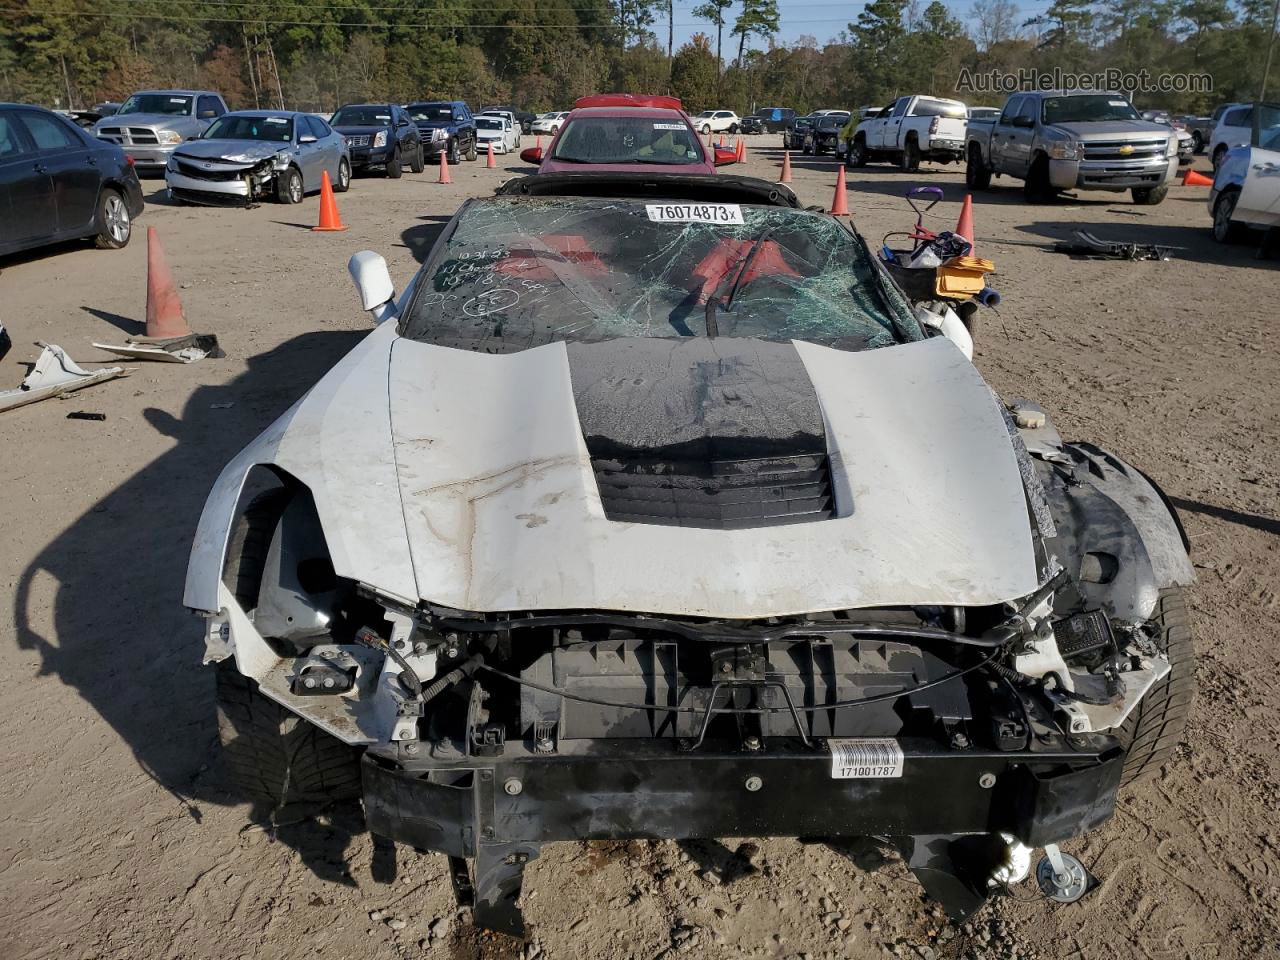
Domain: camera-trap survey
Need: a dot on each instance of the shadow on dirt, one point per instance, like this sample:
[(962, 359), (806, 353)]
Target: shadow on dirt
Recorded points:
[(1252, 520), (121, 639), (728, 865), (421, 237)]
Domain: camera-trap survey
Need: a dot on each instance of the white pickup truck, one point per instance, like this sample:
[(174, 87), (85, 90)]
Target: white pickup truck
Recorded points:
[(909, 130)]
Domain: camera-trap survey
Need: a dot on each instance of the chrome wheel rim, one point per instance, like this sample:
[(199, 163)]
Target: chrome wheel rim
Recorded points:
[(295, 188), (344, 175), (117, 218), (1222, 218)]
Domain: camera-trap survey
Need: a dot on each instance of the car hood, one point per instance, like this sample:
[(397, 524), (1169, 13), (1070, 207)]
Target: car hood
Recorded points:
[(1111, 129), (481, 490), (144, 120), (235, 151)]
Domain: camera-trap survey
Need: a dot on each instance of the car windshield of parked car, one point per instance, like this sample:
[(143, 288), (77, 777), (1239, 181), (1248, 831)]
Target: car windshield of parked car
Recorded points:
[(831, 121), (166, 103), (623, 139), (520, 272), (361, 117), (1087, 108), (430, 111), (488, 123), (233, 127)]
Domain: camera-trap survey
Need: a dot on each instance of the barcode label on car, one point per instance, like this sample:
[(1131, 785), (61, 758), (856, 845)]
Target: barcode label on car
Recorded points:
[(865, 758), (694, 212)]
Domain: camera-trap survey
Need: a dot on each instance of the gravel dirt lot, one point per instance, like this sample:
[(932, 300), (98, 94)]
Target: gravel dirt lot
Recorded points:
[(120, 840)]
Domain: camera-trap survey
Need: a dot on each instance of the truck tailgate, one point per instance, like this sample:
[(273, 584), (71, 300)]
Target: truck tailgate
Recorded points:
[(949, 128)]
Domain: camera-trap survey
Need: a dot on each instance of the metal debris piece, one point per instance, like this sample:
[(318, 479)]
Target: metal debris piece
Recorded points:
[(54, 374), (1088, 245), (85, 415), (186, 349)]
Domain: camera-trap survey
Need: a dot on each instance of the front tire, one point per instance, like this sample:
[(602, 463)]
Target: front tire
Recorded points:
[(417, 163), (858, 153), (395, 167), (1149, 196), (1225, 230), (271, 755), (343, 183), (706, 129), (1152, 730), (472, 151), (115, 226), (453, 153), (289, 186), (1036, 188)]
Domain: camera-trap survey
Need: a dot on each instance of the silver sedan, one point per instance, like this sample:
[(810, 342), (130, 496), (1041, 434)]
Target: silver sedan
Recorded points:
[(255, 154)]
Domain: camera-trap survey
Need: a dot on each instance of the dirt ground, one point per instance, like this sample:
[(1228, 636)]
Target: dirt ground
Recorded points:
[(119, 839)]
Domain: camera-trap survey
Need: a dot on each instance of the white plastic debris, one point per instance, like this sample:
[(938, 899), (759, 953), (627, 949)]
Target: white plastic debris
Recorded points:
[(949, 324), (54, 374)]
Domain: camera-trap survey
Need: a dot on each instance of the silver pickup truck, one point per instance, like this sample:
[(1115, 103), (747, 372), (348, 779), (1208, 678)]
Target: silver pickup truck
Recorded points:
[(1073, 141), (151, 123)]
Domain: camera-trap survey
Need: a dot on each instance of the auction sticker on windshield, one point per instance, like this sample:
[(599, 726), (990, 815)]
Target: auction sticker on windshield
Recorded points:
[(694, 212), (865, 758)]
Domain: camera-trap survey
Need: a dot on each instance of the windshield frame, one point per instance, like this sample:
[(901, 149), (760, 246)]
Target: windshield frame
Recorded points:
[(905, 327)]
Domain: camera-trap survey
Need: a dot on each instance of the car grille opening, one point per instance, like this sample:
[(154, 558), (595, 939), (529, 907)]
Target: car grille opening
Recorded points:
[(717, 494), (359, 140)]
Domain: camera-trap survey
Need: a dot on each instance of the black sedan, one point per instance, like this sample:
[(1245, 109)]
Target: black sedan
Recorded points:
[(380, 135), (793, 136), (59, 183)]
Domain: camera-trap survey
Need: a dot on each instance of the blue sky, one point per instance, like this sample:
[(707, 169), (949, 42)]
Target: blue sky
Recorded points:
[(823, 19)]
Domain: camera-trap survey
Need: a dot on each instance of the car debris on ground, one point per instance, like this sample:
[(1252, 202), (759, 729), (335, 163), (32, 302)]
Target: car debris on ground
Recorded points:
[(53, 375)]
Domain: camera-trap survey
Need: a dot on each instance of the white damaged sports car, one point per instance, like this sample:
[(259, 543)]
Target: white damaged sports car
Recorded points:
[(651, 509)]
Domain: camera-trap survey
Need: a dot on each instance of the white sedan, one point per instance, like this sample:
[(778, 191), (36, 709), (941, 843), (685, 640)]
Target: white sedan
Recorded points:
[(1246, 188), (498, 131), (717, 121)]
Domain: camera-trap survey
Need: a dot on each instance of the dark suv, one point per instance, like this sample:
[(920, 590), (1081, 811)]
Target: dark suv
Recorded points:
[(446, 127), (380, 135), (769, 120)]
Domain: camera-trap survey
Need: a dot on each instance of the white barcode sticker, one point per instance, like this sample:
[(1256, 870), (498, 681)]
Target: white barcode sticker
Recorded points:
[(865, 758), (694, 212)]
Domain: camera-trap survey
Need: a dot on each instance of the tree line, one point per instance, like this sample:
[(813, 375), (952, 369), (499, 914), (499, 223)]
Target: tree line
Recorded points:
[(541, 54)]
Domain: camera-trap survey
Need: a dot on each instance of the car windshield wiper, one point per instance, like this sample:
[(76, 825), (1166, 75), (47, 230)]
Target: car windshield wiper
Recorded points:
[(713, 301)]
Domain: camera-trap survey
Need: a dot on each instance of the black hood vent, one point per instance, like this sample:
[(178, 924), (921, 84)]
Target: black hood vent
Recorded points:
[(720, 433), (719, 494)]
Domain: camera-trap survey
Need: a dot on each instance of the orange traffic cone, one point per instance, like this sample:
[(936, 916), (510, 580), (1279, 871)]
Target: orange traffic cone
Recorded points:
[(489, 163), (1193, 179), (722, 139), (786, 167), (444, 168), (742, 150), (711, 141), (839, 203), (330, 222), (964, 227), (538, 144), (165, 318)]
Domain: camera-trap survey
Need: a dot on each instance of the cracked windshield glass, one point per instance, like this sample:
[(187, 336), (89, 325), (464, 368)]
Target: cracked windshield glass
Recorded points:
[(519, 274)]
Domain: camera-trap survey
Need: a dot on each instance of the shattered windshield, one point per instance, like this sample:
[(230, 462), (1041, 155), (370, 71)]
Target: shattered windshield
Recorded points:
[(628, 140), (520, 272)]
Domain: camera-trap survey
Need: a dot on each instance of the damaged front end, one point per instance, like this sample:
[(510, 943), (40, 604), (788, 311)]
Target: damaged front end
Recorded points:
[(224, 181), (488, 735)]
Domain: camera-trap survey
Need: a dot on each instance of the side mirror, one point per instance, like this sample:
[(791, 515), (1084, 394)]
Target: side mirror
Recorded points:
[(373, 284), (531, 155), (306, 138), (1024, 122), (725, 156), (206, 114)]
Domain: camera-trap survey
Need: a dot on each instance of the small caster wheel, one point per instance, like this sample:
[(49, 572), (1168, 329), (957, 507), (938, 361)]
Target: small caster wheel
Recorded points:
[(1062, 877)]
